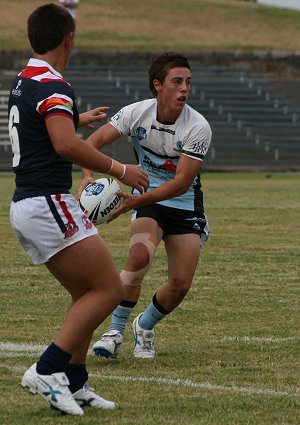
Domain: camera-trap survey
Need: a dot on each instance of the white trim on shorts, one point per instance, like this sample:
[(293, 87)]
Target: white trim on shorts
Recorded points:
[(45, 225), (205, 233)]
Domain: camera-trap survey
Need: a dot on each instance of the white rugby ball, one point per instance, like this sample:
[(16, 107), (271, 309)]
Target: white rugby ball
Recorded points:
[(99, 200)]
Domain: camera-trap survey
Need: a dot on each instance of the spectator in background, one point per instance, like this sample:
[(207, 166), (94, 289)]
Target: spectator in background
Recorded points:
[(70, 5)]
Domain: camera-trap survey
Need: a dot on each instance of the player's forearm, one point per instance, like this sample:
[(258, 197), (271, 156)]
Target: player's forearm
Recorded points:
[(89, 158), (103, 136), (168, 190), (95, 140)]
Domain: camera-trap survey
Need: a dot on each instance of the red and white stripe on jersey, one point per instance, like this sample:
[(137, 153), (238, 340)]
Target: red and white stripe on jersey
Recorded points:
[(56, 104), (41, 74), (41, 71)]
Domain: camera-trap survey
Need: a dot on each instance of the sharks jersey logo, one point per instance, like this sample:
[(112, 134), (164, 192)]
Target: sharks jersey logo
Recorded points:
[(141, 133), (179, 145)]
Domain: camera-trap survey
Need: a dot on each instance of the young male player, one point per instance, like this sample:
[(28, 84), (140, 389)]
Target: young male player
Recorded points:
[(46, 219), (170, 140)]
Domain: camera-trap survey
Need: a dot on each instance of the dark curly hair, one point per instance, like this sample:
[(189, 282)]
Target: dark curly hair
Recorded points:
[(161, 65)]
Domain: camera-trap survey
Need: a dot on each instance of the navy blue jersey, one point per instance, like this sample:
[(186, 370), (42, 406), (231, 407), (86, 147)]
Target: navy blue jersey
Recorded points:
[(38, 93)]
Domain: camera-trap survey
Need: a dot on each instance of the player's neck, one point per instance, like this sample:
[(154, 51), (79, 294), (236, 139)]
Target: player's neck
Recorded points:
[(56, 62), (58, 58), (167, 116)]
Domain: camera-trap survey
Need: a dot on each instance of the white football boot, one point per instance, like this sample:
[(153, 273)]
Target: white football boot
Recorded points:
[(144, 341), (86, 397), (53, 388), (109, 345)]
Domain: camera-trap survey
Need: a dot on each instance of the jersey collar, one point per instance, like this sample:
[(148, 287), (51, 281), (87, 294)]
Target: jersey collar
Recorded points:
[(40, 63)]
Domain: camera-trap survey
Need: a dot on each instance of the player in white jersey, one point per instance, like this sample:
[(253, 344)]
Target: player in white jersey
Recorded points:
[(170, 140), (47, 221), (70, 5)]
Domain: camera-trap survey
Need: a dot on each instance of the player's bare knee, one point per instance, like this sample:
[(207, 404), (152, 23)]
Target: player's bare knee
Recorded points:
[(141, 250), (180, 286), (138, 257), (141, 253)]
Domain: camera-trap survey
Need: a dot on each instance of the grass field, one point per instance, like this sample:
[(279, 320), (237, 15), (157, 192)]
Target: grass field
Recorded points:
[(228, 355), (190, 25)]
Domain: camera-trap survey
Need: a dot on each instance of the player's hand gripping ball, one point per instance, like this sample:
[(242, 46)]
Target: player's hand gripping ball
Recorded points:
[(99, 200)]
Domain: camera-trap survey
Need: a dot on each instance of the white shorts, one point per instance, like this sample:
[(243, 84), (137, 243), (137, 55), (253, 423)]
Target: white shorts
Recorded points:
[(45, 225)]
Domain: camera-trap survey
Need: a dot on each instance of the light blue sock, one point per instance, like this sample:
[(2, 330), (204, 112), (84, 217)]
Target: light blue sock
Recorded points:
[(120, 316), (152, 315)]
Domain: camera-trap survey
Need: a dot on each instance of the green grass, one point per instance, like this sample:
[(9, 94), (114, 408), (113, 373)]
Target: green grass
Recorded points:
[(229, 354), (156, 25)]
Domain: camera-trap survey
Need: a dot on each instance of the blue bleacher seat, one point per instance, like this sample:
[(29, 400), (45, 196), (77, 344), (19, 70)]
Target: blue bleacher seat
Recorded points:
[(250, 118)]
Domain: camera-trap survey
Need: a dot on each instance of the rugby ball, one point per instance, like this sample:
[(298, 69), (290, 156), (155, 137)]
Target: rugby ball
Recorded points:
[(99, 200)]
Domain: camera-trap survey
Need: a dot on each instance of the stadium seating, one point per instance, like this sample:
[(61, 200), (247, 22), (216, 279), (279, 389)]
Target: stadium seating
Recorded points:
[(5, 149), (255, 126)]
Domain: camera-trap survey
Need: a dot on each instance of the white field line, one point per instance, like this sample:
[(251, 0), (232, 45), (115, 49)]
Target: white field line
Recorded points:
[(23, 348), (188, 383), (9, 349), (14, 354), (254, 339), (16, 350), (32, 348)]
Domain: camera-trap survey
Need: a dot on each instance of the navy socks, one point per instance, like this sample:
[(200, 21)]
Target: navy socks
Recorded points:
[(77, 375), (53, 360)]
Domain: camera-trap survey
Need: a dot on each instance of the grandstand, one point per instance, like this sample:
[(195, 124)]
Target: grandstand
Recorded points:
[(255, 125)]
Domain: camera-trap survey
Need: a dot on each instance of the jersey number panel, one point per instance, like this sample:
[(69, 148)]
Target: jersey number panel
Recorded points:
[(14, 118)]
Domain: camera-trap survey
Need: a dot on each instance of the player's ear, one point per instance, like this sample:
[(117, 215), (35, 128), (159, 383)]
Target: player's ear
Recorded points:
[(157, 85), (69, 39)]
